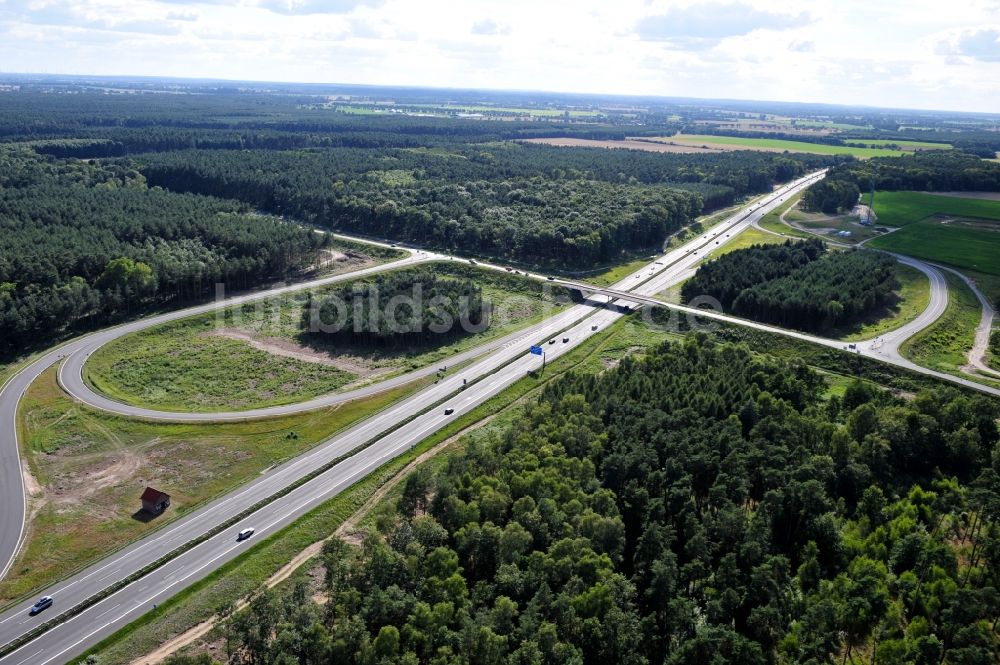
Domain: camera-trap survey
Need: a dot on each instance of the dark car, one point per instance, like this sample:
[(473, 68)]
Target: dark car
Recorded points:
[(565, 339), (449, 411), (44, 603)]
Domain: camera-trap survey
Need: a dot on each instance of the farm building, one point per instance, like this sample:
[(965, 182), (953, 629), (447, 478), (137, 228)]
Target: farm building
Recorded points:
[(154, 501)]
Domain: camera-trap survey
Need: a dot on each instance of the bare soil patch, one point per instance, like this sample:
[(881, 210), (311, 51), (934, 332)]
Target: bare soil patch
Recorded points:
[(628, 144), (289, 349), (985, 196)]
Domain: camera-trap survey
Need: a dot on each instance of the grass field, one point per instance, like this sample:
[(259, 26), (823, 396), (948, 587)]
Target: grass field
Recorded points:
[(91, 467), (617, 273), (749, 237), (963, 248), (741, 143), (183, 365), (257, 355), (902, 208), (963, 232)]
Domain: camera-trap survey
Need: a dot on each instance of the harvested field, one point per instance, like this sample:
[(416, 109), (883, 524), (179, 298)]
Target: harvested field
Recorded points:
[(628, 144)]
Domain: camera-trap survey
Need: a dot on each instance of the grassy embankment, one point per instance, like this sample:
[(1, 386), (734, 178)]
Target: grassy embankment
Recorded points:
[(91, 467), (206, 362), (772, 220), (944, 345)]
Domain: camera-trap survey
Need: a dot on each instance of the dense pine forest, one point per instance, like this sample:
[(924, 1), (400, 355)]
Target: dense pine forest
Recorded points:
[(84, 243), (797, 284), (537, 204), (701, 505), (113, 204), (395, 309), (933, 171)]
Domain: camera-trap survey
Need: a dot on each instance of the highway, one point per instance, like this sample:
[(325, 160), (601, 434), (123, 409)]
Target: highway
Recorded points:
[(389, 433), (12, 496)]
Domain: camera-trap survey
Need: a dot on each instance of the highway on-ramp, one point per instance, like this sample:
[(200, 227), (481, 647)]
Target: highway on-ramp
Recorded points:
[(12, 497), (384, 435)]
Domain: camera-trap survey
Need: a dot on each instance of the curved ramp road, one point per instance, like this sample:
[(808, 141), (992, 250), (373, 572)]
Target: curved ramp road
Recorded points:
[(385, 435), (12, 498), (977, 354)]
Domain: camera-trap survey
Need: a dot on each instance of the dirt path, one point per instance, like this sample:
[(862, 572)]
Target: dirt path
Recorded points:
[(347, 531), (977, 354), (286, 348)]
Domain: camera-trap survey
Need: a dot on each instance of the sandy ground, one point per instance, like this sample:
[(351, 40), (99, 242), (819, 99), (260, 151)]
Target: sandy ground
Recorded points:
[(628, 144), (289, 349), (986, 196)]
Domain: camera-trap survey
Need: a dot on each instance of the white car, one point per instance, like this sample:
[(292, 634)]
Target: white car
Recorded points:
[(245, 533)]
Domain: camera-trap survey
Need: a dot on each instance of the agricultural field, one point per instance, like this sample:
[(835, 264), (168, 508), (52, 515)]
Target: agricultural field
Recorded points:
[(89, 467), (627, 144), (257, 355), (902, 208), (962, 232), (773, 145)]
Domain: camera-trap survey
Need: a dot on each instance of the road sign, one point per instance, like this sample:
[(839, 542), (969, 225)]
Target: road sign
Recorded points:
[(537, 350)]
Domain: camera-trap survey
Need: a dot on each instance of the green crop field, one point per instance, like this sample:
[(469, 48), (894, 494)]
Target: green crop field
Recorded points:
[(255, 356), (902, 208), (962, 232), (777, 144)]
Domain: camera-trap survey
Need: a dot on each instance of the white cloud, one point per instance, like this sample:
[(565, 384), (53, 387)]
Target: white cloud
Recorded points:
[(976, 43), (705, 24), (305, 7), (889, 53), (489, 27)]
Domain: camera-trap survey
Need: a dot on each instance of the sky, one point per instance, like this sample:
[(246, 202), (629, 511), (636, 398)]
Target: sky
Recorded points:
[(923, 54)]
